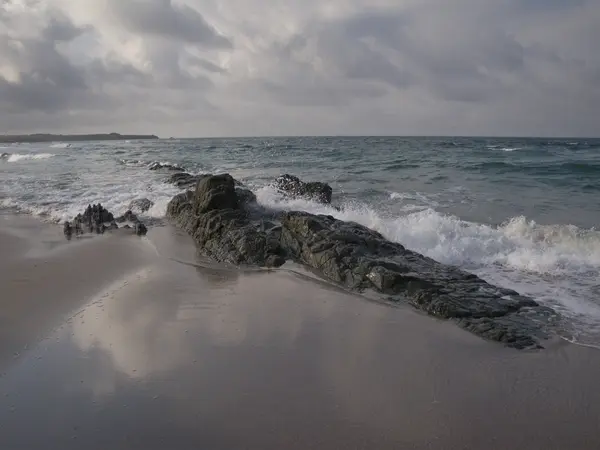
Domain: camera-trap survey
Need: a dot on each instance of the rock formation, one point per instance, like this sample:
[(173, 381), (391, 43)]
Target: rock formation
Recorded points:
[(96, 219), (184, 180), (293, 187), (141, 204), (225, 226)]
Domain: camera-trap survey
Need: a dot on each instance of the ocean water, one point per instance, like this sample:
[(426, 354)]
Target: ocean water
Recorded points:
[(521, 213)]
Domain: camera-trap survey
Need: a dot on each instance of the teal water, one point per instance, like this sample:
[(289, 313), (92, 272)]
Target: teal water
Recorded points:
[(521, 213)]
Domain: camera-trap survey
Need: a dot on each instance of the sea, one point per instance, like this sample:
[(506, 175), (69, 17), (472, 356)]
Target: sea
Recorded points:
[(520, 213)]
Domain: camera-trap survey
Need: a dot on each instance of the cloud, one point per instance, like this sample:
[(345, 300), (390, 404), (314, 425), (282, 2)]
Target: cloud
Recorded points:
[(191, 67), (167, 19)]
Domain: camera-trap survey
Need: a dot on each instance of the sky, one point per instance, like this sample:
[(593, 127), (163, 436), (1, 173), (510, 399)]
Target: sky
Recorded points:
[(195, 68)]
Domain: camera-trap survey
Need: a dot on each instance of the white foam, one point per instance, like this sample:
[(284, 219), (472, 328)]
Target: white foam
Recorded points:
[(15, 157), (60, 145), (504, 149)]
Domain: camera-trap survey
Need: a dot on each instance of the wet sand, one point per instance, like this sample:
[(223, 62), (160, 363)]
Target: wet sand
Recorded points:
[(151, 351)]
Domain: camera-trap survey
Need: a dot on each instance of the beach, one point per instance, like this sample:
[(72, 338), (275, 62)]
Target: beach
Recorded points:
[(126, 342)]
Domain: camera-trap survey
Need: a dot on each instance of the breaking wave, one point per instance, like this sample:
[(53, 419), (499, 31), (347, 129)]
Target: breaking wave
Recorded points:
[(15, 157)]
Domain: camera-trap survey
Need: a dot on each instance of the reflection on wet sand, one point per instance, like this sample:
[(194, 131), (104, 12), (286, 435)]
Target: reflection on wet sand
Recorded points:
[(175, 356)]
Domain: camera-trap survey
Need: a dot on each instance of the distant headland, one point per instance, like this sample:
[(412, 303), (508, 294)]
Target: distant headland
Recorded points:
[(40, 137)]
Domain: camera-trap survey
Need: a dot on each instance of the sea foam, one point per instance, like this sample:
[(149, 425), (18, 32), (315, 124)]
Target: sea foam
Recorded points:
[(15, 157)]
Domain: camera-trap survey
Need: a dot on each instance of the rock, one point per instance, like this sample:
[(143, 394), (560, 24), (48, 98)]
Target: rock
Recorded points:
[(141, 204), (164, 166), (68, 230), (184, 180), (215, 217), (218, 217), (140, 229), (245, 196), (360, 258), (293, 187), (96, 219), (93, 219), (129, 216)]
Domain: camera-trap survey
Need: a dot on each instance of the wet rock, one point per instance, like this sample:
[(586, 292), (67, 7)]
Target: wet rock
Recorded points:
[(140, 229), (360, 258), (96, 219), (129, 216), (141, 205), (215, 217), (184, 180), (245, 196), (165, 166), (293, 187), (68, 230)]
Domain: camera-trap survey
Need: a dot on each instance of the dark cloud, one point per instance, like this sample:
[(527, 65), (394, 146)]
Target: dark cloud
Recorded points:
[(411, 67), (166, 19)]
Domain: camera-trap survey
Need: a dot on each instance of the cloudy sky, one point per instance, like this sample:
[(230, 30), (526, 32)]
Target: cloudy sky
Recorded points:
[(301, 67)]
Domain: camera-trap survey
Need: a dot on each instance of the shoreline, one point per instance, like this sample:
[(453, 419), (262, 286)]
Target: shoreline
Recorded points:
[(139, 348), (44, 137)]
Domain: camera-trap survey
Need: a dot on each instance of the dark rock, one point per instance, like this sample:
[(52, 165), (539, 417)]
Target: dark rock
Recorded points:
[(140, 229), (96, 219), (165, 166), (217, 216), (68, 230), (293, 187), (141, 204), (129, 216), (360, 258), (184, 180), (93, 219), (245, 196), (218, 222)]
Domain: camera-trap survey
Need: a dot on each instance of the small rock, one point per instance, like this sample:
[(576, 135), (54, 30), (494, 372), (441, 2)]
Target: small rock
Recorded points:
[(294, 187), (140, 229), (141, 204)]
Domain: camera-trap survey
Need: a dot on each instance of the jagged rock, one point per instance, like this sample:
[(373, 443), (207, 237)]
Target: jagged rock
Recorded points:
[(215, 217), (141, 204), (96, 219), (68, 230), (245, 196), (293, 187), (184, 180), (165, 166), (355, 257), (93, 219), (129, 216), (360, 258), (140, 229)]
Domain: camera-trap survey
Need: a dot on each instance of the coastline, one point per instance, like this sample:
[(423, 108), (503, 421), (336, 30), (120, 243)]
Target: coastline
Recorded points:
[(47, 137), (140, 349)]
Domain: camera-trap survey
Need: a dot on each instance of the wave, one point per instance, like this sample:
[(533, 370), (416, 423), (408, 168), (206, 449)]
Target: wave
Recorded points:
[(518, 243), (15, 157), (60, 145), (504, 149)]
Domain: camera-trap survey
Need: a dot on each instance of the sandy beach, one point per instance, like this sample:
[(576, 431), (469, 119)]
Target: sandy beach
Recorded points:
[(127, 343)]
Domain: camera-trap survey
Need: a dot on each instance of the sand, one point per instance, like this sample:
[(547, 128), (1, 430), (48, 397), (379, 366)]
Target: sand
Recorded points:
[(128, 343)]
